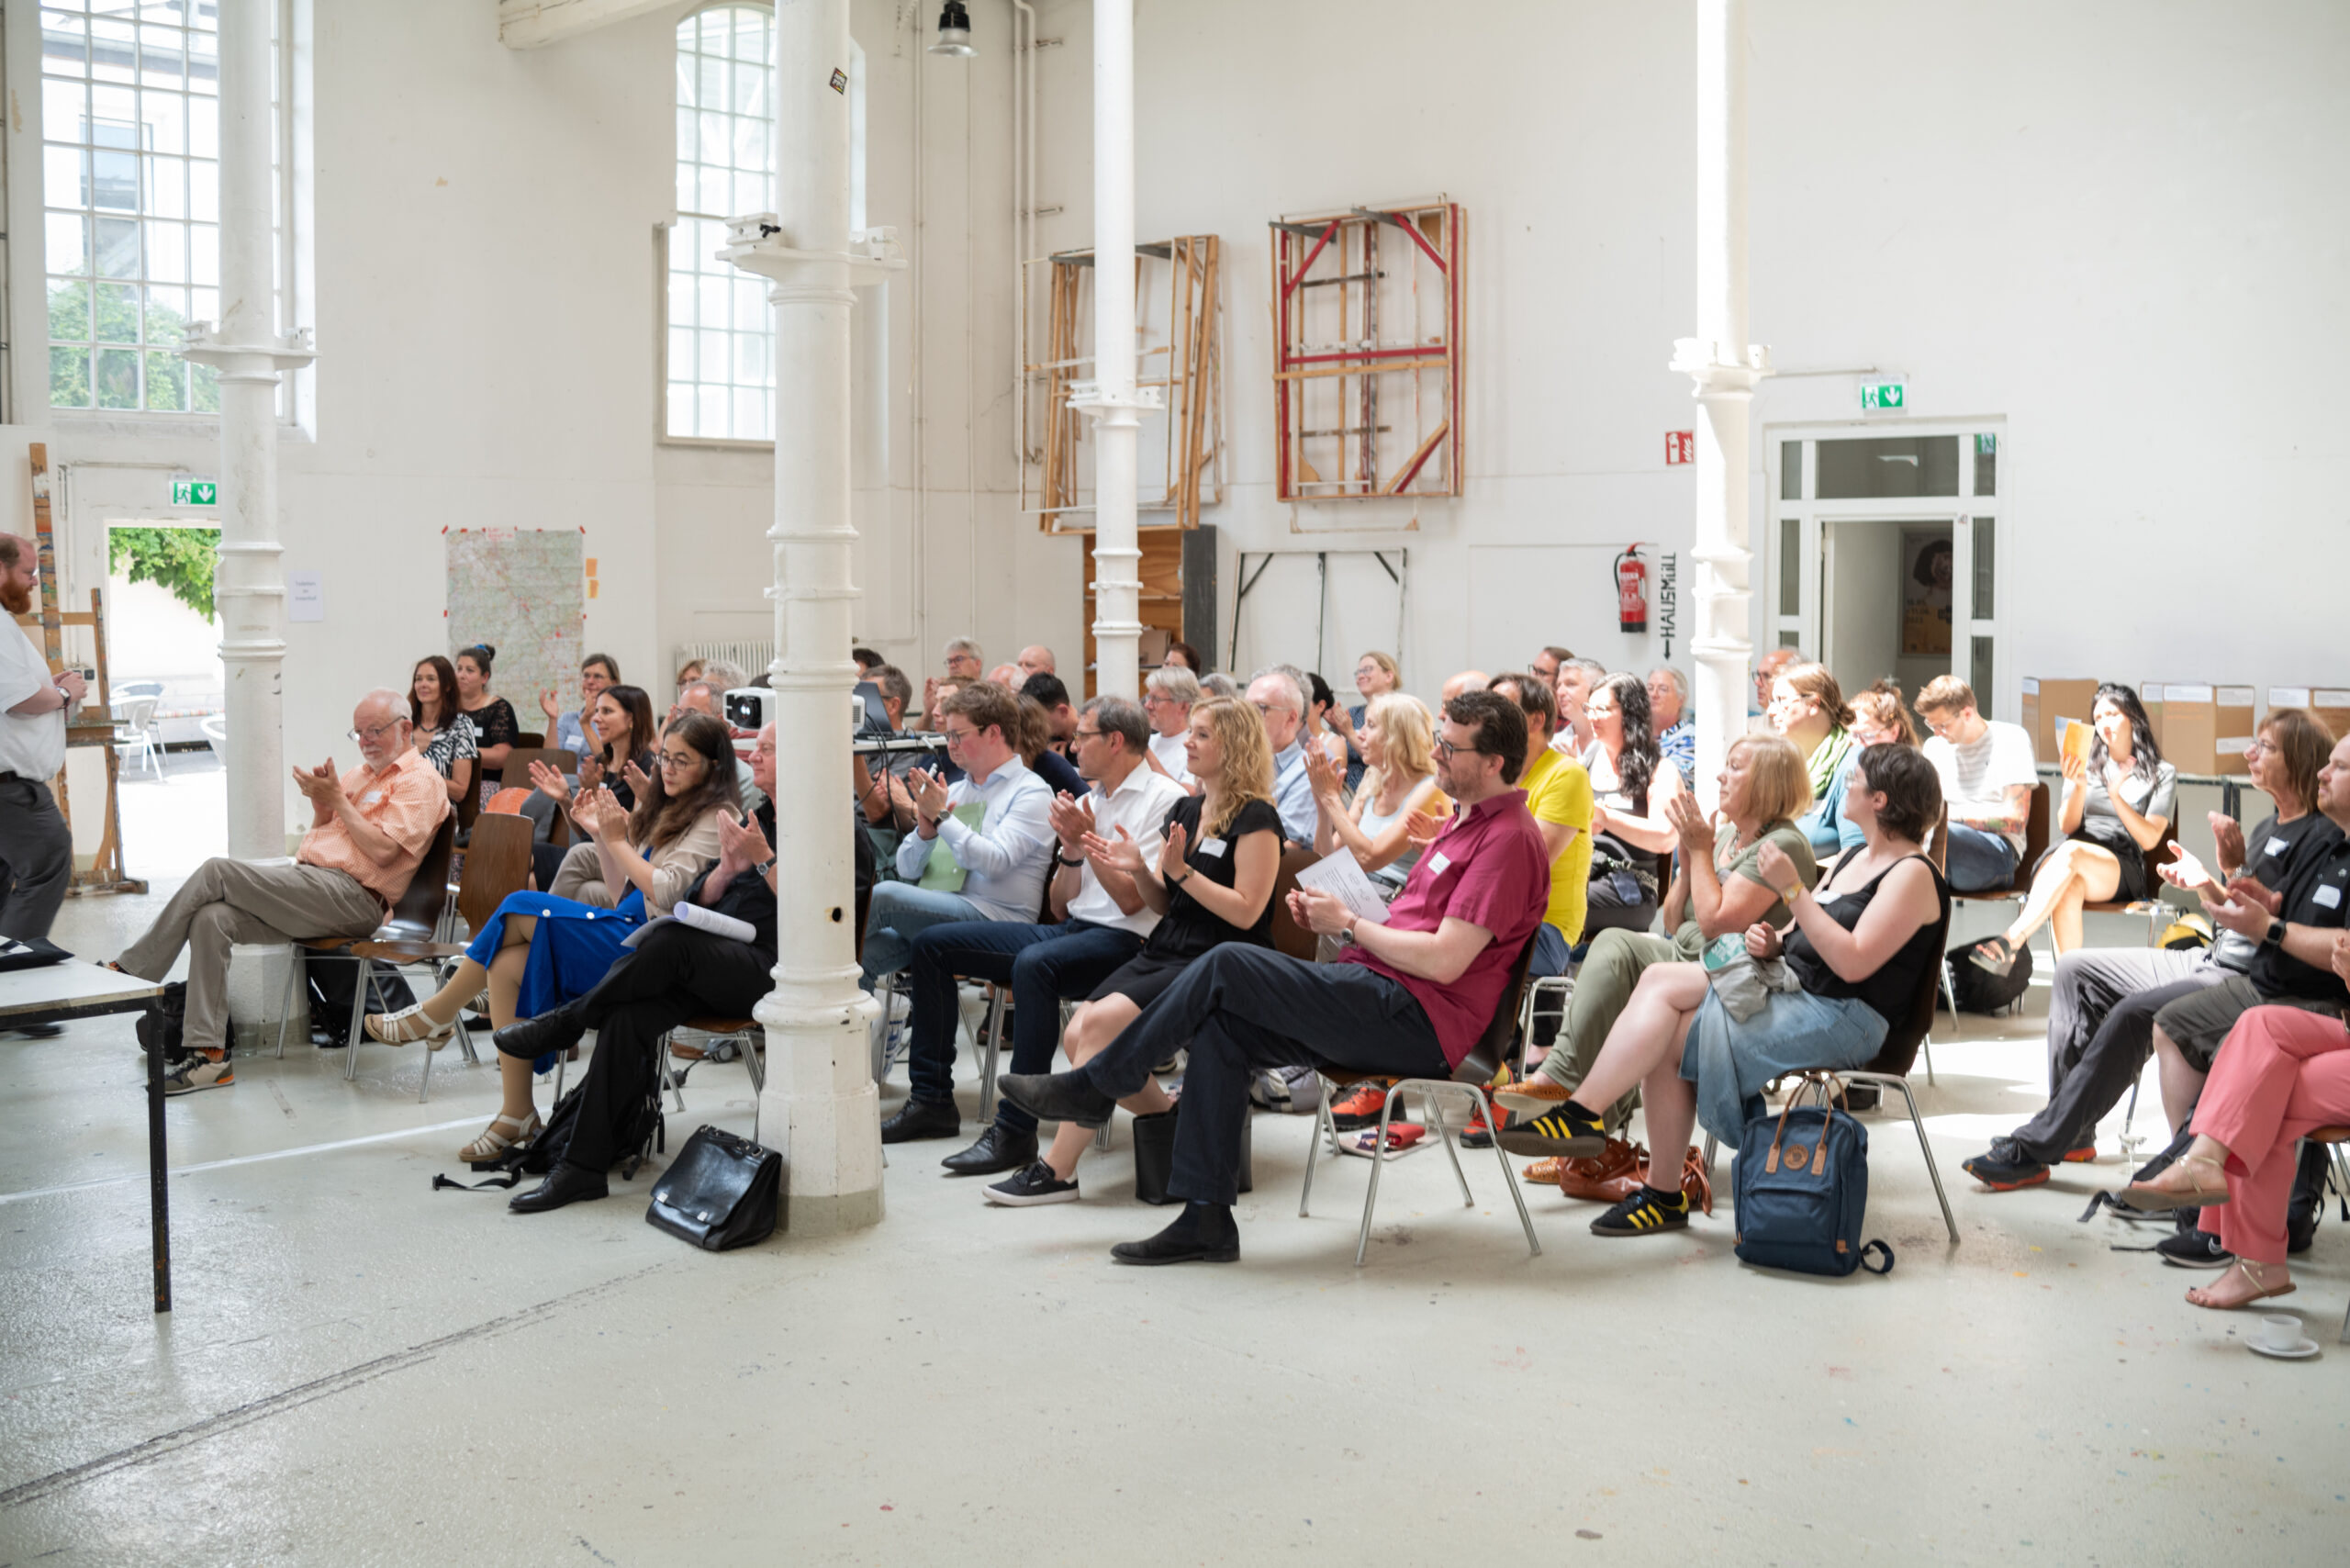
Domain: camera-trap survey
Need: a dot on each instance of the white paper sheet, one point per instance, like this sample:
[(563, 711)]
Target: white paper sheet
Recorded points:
[(1341, 875)]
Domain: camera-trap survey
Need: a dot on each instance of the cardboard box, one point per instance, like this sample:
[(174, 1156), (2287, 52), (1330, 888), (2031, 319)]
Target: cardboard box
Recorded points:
[(2237, 714), (2328, 705), (2190, 730), (1153, 645), (2045, 702)]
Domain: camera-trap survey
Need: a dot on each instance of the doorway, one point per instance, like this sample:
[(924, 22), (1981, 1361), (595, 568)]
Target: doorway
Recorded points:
[(1884, 560)]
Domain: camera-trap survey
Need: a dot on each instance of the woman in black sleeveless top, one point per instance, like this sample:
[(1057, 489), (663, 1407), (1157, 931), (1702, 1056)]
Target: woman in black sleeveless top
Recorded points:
[(1862, 945)]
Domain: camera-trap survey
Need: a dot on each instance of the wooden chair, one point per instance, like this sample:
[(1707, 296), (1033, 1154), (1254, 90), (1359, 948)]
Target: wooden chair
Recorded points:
[(1475, 1072), (534, 739), (1289, 936), (1889, 1070), (516, 771)]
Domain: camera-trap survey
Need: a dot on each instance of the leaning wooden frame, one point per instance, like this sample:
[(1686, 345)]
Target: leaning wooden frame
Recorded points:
[(1366, 351), (1179, 346)]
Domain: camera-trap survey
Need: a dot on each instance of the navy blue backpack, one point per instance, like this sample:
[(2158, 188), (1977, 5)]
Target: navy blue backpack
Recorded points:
[(1801, 1186)]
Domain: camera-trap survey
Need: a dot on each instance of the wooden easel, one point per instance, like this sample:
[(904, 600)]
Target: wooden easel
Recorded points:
[(93, 725)]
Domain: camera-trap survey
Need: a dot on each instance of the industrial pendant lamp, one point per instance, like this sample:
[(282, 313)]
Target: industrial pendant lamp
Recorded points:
[(953, 30)]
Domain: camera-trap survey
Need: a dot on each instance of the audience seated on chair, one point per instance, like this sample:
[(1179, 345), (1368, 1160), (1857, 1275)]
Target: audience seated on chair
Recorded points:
[(981, 846), (1720, 893), (1104, 920), (496, 729), (1676, 731), (1317, 732), (1401, 781), (1410, 998), (1182, 655), (1035, 660), (2103, 1006), (676, 973), (1631, 785), (1558, 794), (1281, 698), (1376, 674), (1462, 682), (442, 732), (622, 757), (1209, 876), (1859, 952), (1167, 696), (1010, 676), (569, 732), (540, 950), (1880, 717), (1038, 749), (1220, 685), (1045, 689), (370, 827), (2293, 929), (1768, 667), (1578, 678), (2282, 1074), (1808, 708), (2117, 805), (709, 699), (1988, 774), (1547, 664), (688, 671)]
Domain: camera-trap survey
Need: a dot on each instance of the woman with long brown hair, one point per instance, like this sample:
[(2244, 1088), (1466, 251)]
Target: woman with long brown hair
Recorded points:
[(543, 949), (1210, 879), (443, 733)]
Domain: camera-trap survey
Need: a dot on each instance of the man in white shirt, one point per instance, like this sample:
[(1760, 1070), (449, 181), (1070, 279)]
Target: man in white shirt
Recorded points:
[(1987, 772), (1104, 920), (1576, 678), (1168, 698), (991, 868), (1280, 698), (36, 846)]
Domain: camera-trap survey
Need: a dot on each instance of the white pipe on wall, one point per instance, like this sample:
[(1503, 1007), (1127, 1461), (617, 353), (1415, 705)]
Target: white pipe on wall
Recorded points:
[(1113, 403)]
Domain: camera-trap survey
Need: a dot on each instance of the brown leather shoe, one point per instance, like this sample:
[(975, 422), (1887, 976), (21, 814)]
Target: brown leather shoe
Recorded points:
[(1544, 1172), (1600, 1177), (1533, 1095)]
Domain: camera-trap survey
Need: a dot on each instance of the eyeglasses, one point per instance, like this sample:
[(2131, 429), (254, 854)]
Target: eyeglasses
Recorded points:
[(956, 737), (677, 759), (364, 736), (1447, 750), (1087, 735), (2259, 743)]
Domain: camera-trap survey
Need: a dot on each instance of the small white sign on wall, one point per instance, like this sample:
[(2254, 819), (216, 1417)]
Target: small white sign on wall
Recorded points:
[(306, 595)]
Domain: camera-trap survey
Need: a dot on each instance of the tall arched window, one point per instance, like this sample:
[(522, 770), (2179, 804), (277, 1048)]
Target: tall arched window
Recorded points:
[(721, 348)]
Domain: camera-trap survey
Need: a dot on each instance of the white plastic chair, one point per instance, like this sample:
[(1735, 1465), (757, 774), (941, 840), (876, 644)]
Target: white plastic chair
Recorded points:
[(134, 729)]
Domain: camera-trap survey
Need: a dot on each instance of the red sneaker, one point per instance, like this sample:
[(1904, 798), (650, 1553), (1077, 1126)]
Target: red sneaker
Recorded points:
[(1359, 1106)]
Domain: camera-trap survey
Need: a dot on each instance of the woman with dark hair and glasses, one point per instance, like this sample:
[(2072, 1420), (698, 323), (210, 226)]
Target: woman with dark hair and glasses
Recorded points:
[(1630, 783), (2118, 804)]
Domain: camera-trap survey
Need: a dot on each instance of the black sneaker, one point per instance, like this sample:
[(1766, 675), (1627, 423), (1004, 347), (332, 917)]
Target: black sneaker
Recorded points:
[(2194, 1249), (1562, 1132), (2006, 1168), (1032, 1184), (2308, 1198), (1646, 1212), (1859, 1097)]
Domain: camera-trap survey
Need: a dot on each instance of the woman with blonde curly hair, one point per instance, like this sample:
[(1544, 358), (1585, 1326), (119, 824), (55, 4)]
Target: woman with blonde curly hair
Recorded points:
[(1399, 777), (1210, 879)]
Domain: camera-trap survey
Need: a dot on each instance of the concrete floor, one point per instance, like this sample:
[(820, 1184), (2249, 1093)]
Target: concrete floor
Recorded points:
[(360, 1370)]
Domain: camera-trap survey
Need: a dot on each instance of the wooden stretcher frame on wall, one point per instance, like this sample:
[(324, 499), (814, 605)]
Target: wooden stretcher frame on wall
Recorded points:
[(1366, 351), (1179, 344)]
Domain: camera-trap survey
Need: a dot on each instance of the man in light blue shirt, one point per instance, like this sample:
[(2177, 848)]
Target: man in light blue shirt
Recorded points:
[(1280, 698), (1002, 861)]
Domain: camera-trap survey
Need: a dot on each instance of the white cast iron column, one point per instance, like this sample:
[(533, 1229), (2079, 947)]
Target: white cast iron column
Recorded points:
[(1725, 368), (245, 347), (820, 1108), (1112, 398)]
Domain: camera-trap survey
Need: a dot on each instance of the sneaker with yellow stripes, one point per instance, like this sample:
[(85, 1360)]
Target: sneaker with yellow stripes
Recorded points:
[(1646, 1212)]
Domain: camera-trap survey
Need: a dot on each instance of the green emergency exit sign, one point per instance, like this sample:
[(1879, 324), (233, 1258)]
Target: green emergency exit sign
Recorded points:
[(187, 490), (1884, 397)]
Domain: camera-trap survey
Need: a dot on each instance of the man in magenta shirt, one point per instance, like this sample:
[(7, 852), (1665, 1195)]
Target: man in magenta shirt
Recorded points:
[(1407, 999)]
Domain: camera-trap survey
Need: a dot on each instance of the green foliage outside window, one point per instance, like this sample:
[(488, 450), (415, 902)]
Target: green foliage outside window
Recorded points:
[(110, 378), (180, 559)]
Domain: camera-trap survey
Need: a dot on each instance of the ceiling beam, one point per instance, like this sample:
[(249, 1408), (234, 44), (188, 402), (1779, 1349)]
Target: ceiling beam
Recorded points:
[(534, 24)]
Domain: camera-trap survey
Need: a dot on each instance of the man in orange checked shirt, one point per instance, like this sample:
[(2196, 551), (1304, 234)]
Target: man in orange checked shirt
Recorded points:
[(369, 830)]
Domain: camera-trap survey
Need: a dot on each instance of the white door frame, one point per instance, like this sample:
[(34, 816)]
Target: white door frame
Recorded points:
[(1777, 620)]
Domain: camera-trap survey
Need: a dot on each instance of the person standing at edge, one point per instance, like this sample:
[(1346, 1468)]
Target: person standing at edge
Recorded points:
[(36, 846)]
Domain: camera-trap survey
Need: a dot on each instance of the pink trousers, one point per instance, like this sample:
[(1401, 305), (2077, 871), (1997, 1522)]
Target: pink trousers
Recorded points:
[(2282, 1073)]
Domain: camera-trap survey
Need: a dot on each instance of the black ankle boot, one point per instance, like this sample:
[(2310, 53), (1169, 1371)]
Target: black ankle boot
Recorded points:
[(566, 1183), (1202, 1232)]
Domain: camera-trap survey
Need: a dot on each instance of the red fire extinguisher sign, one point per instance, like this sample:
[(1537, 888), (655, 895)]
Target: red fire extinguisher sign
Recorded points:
[(1631, 592)]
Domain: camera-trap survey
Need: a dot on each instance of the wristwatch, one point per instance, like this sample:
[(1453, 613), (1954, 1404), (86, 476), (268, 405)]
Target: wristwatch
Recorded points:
[(2275, 936), (762, 868)]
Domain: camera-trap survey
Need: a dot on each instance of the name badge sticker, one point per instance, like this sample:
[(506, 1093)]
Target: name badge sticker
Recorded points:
[(2329, 896), (2277, 847), (372, 797), (1211, 847), (1437, 863)]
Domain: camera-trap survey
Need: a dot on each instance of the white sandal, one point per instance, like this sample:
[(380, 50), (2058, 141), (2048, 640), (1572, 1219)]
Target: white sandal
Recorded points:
[(493, 1143), (408, 1023)]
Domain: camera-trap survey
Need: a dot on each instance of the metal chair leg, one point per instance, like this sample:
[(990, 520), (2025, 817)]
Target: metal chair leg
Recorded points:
[(1435, 1113), (358, 1029), (994, 1025), (1323, 1129), (1926, 1045), (1509, 1179), (562, 1059), (1927, 1149), (1378, 1163), (293, 983), (661, 1055)]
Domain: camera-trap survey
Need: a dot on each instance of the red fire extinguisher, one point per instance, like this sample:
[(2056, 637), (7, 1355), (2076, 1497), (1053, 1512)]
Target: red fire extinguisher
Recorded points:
[(1631, 592)]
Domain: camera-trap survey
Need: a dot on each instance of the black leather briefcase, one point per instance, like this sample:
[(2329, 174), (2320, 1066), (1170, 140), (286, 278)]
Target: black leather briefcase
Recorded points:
[(721, 1192)]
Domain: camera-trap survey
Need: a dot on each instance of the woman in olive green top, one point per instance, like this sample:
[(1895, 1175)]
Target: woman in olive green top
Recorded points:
[(1764, 786)]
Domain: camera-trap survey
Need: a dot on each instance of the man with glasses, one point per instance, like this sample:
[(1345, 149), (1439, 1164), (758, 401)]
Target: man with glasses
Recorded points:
[(980, 847), (369, 831), (1104, 920), (1408, 997), (1988, 774), (1281, 698), (1168, 698)]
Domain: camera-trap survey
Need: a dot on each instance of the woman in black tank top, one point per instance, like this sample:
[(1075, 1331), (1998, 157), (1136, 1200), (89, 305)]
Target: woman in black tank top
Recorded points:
[(1860, 946)]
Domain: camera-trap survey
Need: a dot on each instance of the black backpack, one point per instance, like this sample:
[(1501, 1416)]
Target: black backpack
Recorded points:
[(1977, 990), (165, 1021)]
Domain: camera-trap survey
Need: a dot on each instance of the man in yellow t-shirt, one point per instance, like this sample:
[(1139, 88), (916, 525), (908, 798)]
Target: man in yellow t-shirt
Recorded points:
[(1558, 791)]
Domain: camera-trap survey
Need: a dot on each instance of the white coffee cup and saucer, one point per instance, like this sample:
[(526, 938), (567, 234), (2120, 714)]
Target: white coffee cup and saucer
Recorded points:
[(2279, 1334)]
